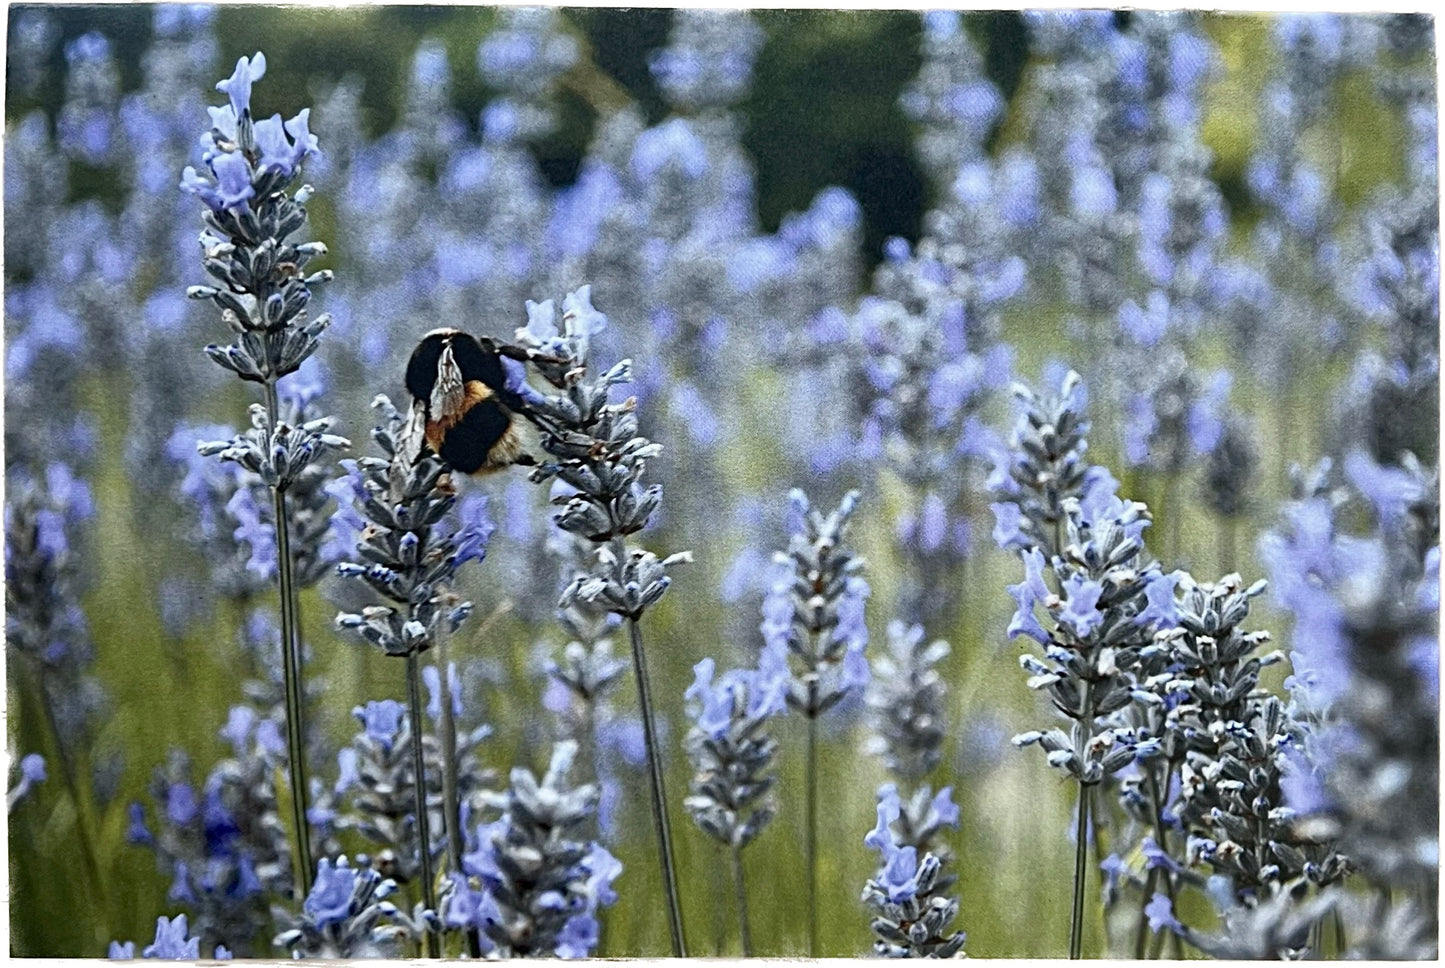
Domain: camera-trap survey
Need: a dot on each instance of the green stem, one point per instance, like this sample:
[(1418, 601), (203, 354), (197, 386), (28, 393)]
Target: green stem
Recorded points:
[(1081, 869), (659, 795), (1161, 834), (423, 821), (451, 794), (811, 791), (742, 898), (1081, 833), (291, 670), (1141, 933)]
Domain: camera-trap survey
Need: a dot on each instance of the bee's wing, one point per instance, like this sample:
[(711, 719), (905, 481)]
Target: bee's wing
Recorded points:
[(409, 448), (449, 393)]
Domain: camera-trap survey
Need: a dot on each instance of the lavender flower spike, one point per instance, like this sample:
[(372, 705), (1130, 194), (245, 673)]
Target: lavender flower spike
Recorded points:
[(598, 454), (262, 290)]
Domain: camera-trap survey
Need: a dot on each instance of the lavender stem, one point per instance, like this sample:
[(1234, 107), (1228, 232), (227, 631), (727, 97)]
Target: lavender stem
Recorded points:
[(659, 796), (451, 798), (423, 822), (291, 669)]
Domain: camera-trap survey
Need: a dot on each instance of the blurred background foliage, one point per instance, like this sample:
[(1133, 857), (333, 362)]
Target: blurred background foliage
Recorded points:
[(823, 110)]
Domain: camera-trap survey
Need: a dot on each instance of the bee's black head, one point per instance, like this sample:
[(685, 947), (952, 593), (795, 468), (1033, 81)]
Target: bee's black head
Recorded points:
[(476, 363)]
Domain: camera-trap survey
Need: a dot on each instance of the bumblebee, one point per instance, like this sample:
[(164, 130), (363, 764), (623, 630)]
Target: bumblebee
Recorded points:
[(461, 407)]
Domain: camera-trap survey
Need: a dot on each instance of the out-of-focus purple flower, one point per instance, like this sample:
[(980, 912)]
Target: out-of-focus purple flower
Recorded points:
[(171, 942), (856, 670), (259, 535), (1007, 518), (1093, 192), (432, 679), (1160, 912), (348, 763), (673, 143), (1206, 420), (944, 807), (1303, 785), (136, 832), (1111, 867), (1027, 594), (330, 899), (1156, 857), (578, 937), (1146, 325), (1389, 490), (181, 804), (237, 731), (1140, 422), (381, 720), (715, 703), (32, 768), (475, 530)]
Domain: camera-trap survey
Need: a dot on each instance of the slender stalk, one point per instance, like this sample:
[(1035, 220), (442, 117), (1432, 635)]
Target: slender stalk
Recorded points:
[(1081, 870), (1339, 925), (812, 836), (451, 795), (1161, 834), (659, 795), (1081, 835), (742, 898), (1161, 831), (291, 669), (423, 821), (1141, 933)]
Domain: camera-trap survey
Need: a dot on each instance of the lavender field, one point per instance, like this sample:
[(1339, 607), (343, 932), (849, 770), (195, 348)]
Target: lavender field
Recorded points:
[(1030, 549)]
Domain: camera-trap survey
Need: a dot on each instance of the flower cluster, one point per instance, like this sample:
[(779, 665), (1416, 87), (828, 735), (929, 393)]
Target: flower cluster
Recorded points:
[(374, 793), (346, 915), (1043, 467), (1234, 745), (731, 749), (907, 703), (813, 613), (235, 529), (409, 550), (708, 62), (1366, 659), (528, 883), (599, 459), (224, 845), (172, 943), (1099, 622), (911, 912), (262, 287), (47, 637)]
